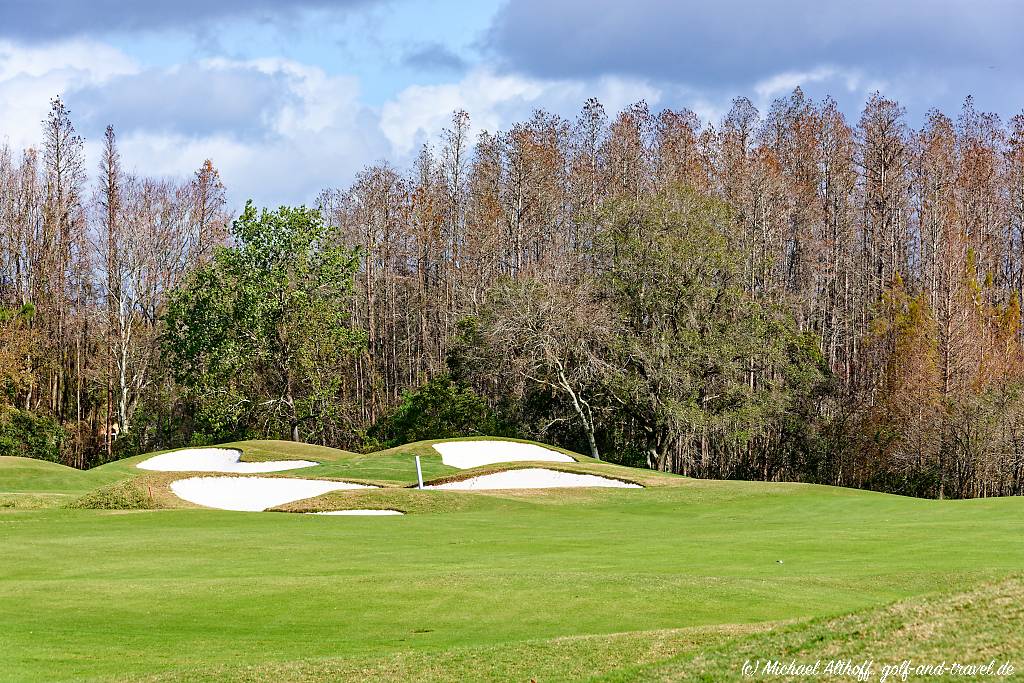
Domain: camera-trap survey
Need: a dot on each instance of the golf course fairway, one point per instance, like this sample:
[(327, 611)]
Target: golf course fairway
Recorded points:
[(105, 576)]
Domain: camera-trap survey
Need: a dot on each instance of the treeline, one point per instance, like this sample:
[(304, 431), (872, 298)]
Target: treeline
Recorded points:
[(777, 295), (780, 295), (85, 268)]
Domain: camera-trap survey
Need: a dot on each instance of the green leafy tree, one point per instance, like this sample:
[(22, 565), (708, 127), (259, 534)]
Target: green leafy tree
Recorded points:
[(703, 370), (31, 435), (259, 336), (440, 409)]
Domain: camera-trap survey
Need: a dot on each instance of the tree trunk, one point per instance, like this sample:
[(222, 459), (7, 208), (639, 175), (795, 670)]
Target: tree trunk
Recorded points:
[(582, 411)]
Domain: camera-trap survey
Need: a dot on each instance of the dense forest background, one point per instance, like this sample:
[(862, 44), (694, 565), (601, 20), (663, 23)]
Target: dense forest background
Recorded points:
[(779, 295)]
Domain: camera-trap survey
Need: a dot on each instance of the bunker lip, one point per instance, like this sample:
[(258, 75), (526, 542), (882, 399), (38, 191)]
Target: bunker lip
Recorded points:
[(574, 468), (532, 478), (254, 494), (226, 460), (358, 512), (468, 454)]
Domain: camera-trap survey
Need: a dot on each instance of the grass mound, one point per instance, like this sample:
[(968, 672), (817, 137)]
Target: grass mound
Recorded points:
[(409, 501), (264, 450), (27, 475), (27, 483), (973, 627), (130, 494)]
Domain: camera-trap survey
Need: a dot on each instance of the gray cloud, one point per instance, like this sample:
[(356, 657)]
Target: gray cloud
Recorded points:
[(35, 20), (727, 42), (433, 57), (192, 100)]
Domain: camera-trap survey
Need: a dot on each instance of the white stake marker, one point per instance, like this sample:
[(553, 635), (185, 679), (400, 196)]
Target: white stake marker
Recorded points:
[(419, 472)]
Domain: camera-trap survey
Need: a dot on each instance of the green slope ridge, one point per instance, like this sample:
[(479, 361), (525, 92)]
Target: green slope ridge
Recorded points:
[(977, 627), (42, 484)]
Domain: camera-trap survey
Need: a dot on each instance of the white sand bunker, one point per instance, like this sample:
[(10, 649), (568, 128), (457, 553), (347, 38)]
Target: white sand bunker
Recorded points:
[(532, 478), (359, 512), (253, 494), (466, 454), (216, 460)]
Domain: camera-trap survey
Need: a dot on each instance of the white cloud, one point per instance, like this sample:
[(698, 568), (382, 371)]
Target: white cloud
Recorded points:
[(320, 101), (31, 76), (281, 130), (836, 81), (88, 60), (495, 101), (784, 83), (316, 134), (317, 137)]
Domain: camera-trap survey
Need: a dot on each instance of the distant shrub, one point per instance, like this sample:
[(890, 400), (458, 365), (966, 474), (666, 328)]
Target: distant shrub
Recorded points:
[(30, 435), (440, 409), (121, 495)]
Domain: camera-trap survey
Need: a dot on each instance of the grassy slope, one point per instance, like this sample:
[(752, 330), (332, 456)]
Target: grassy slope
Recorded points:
[(26, 474), (976, 626), (553, 659), (122, 484), (397, 465), (973, 627), (208, 595), (28, 483), (394, 466)]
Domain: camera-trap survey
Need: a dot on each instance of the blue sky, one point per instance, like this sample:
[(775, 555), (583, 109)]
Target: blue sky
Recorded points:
[(291, 96)]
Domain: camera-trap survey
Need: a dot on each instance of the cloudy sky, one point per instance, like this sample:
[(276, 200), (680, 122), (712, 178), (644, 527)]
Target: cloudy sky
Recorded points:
[(291, 96)]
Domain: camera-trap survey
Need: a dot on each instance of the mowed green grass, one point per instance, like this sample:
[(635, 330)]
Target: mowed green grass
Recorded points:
[(27, 483), (662, 583), (980, 626)]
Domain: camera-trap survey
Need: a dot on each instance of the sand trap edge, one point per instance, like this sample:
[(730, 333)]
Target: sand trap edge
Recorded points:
[(218, 460), (555, 467), (534, 479), (357, 513), (468, 454), (232, 498)]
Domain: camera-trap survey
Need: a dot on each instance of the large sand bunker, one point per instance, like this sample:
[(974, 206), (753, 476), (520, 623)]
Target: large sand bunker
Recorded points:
[(532, 478), (466, 454), (216, 460), (253, 494)]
